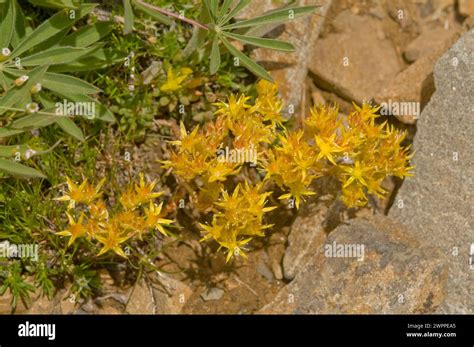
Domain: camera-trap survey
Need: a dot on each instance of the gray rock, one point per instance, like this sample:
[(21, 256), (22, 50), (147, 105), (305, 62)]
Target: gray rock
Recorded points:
[(212, 294), (383, 270), (305, 231), (265, 271), (437, 204)]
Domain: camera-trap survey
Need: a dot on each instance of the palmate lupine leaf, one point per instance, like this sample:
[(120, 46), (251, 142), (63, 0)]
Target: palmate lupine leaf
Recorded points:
[(49, 28), (37, 51), (219, 31)]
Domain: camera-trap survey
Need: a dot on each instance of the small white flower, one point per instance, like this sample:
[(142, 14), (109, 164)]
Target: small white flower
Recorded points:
[(29, 153), (6, 52), (36, 88), (32, 107)]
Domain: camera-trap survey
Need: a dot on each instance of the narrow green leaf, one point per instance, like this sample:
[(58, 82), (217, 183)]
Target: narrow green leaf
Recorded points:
[(16, 94), (59, 55), (281, 15), (224, 8), (3, 81), (262, 42), (11, 151), (239, 7), (247, 62), (153, 14), (101, 112), (213, 6), (16, 169), (21, 26), (7, 132), (71, 128), (215, 56), (99, 59), (61, 20), (128, 17), (55, 3), (88, 35), (199, 35), (34, 121), (60, 83), (7, 23)]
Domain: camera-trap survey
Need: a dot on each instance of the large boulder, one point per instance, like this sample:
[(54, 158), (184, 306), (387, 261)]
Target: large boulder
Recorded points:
[(437, 204), (366, 267)]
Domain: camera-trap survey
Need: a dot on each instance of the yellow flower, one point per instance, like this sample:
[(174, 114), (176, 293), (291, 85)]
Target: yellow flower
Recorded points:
[(139, 194), (112, 240), (219, 170), (98, 210), (75, 229), (235, 248), (327, 148), (356, 173), (174, 80), (83, 193), (153, 220), (234, 108)]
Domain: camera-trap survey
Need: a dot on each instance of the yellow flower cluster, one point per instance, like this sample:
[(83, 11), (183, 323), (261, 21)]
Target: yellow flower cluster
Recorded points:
[(136, 216), (355, 149)]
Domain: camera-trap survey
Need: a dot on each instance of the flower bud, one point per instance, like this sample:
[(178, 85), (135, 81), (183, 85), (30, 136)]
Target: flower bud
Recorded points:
[(21, 80)]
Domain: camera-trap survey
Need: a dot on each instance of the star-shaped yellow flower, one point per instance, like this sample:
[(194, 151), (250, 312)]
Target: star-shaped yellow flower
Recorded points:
[(112, 240), (75, 229), (153, 218), (83, 193), (174, 80), (356, 173), (327, 148)]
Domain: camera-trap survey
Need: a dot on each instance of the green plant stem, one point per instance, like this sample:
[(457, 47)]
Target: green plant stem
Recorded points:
[(174, 15)]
